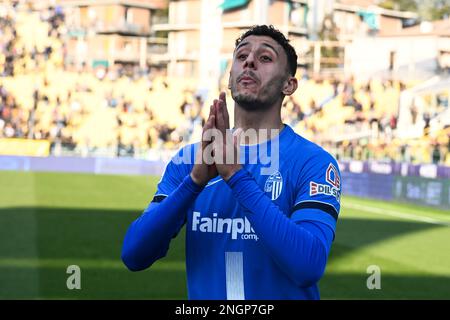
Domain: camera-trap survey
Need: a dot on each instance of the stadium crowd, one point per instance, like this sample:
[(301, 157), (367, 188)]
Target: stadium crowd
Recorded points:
[(44, 96)]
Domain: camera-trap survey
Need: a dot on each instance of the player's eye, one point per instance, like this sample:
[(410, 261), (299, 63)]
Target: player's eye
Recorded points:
[(266, 58), (242, 56)]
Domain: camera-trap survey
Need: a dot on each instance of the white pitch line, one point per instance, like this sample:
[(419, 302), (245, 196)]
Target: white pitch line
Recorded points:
[(388, 212)]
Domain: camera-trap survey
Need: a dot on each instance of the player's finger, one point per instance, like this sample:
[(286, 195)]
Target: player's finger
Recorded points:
[(223, 99), (208, 119), (237, 136), (209, 115), (237, 144), (215, 103), (211, 122), (214, 111), (218, 150), (220, 121), (207, 134)]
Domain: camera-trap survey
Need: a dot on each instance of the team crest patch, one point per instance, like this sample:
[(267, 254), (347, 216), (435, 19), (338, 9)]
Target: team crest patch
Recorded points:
[(274, 185), (333, 188)]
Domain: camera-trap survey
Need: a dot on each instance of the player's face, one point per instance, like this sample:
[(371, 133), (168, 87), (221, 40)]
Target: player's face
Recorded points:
[(258, 73)]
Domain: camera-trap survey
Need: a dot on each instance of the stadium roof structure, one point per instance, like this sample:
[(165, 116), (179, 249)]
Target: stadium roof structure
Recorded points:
[(371, 5), (233, 4), (426, 28), (145, 4), (434, 85)]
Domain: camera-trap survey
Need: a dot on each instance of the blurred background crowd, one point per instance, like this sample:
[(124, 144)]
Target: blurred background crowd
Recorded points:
[(127, 110)]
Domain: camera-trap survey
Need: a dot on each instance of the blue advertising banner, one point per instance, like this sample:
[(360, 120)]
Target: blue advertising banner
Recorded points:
[(425, 184)]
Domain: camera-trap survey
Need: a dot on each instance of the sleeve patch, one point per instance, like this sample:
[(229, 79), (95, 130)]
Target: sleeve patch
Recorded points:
[(332, 186)]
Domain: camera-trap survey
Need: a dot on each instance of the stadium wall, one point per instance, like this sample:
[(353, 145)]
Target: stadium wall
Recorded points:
[(426, 184), (83, 165)]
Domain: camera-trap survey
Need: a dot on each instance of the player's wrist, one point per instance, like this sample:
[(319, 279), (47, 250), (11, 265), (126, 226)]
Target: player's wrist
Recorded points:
[(227, 176), (199, 182)]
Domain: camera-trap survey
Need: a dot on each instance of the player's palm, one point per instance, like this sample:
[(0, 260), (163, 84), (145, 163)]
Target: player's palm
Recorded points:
[(204, 168), (226, 150)]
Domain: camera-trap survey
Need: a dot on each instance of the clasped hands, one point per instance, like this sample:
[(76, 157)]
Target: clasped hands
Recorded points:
[(218, 152)]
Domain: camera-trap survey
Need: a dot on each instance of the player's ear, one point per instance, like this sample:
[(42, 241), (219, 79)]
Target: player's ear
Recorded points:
[(290, 85)]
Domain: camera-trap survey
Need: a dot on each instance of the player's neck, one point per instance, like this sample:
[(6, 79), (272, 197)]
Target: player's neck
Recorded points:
[(267, 124)]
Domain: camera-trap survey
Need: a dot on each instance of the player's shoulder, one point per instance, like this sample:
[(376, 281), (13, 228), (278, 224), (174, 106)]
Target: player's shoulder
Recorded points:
[(312, 163), (303, 151)]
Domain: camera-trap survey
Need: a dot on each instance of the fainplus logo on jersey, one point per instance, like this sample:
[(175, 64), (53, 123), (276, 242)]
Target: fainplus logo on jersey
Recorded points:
[(331, 189), (237, 227)]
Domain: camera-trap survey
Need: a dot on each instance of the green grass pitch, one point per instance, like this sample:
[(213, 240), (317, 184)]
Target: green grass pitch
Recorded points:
[(49, 221)]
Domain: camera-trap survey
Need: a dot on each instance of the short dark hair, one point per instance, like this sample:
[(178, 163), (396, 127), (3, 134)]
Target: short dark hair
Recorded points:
[(275, 34)]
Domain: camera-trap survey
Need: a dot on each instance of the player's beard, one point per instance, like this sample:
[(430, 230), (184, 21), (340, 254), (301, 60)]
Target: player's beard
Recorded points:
[(267, 96)]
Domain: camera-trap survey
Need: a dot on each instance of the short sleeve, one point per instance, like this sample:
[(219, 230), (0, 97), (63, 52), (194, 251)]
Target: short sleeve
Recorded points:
[(318, 191)]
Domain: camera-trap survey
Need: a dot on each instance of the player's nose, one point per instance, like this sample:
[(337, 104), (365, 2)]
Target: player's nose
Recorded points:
[(250, 61)]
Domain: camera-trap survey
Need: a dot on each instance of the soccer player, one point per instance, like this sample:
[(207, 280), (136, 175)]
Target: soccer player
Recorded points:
[(256, 227)]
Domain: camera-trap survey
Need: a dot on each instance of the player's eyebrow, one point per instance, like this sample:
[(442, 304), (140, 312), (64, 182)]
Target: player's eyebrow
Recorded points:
[(263, 44), (271, 47), (241, 45)]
